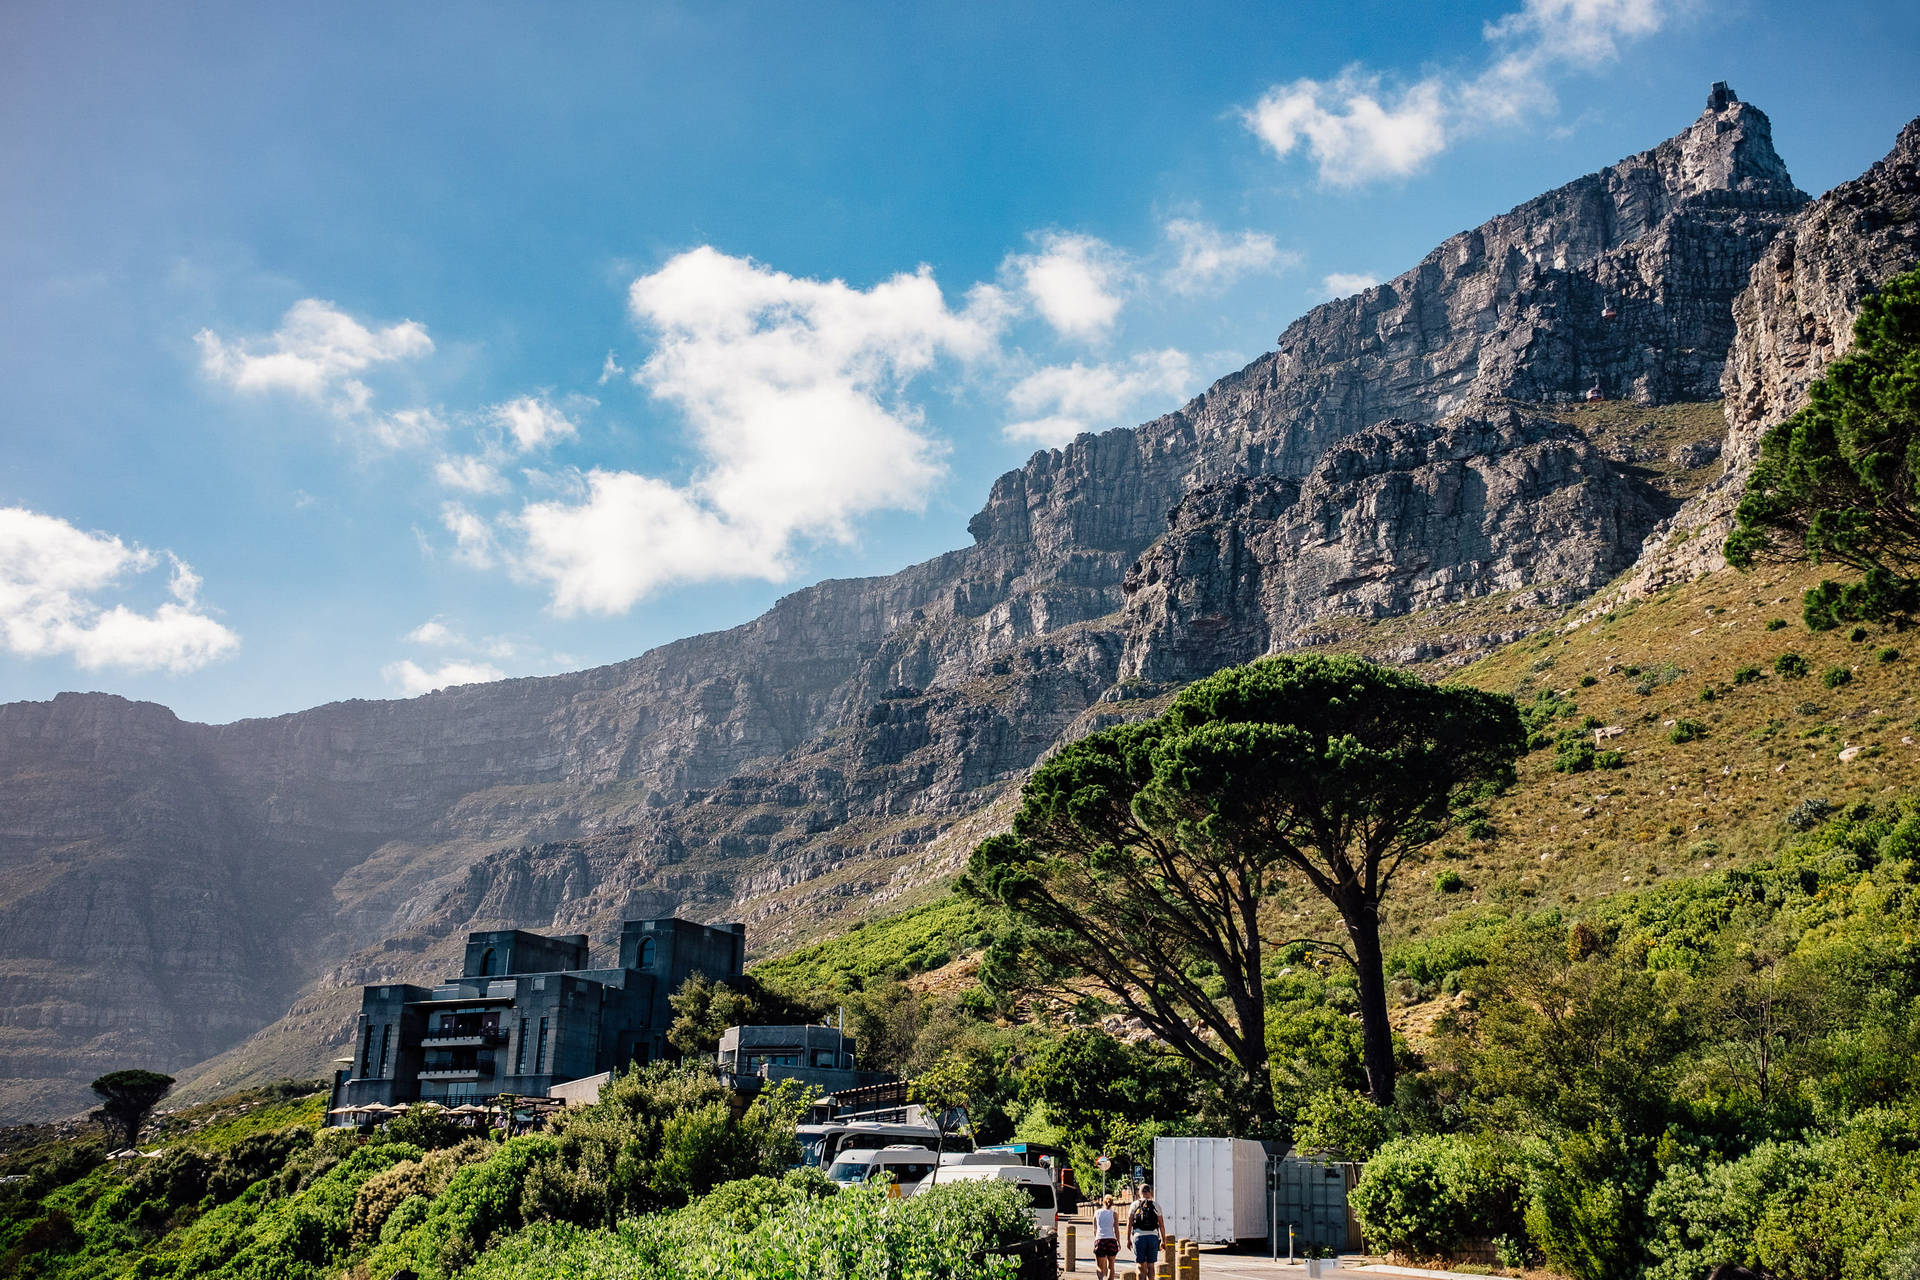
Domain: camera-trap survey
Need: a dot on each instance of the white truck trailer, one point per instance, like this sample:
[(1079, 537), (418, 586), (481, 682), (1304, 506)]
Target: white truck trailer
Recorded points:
[(1213, 1190)]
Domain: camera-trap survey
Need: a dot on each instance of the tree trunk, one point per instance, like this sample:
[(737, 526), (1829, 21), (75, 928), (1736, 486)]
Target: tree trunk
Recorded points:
[(1363, 927), (1266, 1111)]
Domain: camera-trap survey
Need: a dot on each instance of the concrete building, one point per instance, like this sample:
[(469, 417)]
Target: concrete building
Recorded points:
[(815, 1055), (526, 1014)]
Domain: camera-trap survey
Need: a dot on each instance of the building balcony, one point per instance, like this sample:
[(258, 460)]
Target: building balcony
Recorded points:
[(452, 1073), (463, 1040)]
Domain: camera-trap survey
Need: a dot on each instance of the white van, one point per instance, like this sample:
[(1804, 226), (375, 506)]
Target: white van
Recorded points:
[(901, 1165), (1037, 1183), (821, 1144)]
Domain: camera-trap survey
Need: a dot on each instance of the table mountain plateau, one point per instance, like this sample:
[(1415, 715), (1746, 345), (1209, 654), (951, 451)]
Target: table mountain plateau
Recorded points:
[(1413, 471)]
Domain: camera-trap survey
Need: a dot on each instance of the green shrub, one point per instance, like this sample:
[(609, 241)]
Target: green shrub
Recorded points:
[(1686, 731), (1746, 675), (1791, 665), (1776, 624), (1588, 681), (1834, 677), (1426, 1196), (1575, 754), (249, 1159), (1343, 1123), (1449, 881), (1888, 655), (956, 1231), (481, 1201), (1608, 760), (1843, 1205)]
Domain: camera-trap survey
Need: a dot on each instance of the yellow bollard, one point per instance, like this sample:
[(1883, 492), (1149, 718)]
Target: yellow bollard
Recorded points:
[(1073, 1248)]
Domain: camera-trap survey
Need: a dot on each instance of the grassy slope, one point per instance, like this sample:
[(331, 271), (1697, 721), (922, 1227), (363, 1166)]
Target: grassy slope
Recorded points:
[(1674, 809)]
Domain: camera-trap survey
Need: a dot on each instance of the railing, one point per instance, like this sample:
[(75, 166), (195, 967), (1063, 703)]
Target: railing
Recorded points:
[(452, 1073), (463, 1040)]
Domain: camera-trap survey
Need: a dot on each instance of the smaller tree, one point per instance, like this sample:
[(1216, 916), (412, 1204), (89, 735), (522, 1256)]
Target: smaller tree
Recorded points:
[(948, 1089), (127, 1099), (703, 1010), (1839, 481)]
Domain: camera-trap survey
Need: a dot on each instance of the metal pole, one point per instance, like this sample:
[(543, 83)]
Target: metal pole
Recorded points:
[(1273, 1212)]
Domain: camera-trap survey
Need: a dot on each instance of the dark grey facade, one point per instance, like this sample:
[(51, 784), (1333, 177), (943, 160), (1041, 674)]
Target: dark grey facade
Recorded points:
[(815, 1055), (527, 1013)]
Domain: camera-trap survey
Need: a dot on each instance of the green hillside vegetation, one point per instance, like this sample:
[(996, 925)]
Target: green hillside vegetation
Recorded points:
[(663, 1177), (886, 947)]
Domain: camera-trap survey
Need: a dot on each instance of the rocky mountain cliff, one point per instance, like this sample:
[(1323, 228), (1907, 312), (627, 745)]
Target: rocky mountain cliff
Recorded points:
[(169, 889)]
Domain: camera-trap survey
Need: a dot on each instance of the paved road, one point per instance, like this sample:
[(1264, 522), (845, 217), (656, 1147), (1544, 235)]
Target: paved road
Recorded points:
[(1218, 1264)]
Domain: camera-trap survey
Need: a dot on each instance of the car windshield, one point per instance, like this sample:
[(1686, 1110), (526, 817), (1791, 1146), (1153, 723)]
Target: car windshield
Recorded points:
[(1042, 1196), (849, 1171)]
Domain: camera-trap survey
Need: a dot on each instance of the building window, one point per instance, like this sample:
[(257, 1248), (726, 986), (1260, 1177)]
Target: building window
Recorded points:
[(366, 1053), (540, 1051), (486, 963), (646, 952), (520, 1052), (386, 1043)]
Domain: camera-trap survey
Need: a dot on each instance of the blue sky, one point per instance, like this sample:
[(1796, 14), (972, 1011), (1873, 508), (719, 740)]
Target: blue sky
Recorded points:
[(351, 350)]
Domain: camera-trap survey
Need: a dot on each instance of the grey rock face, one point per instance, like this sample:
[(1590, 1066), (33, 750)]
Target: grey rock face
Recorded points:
[(1397, 518), (1794, 317), (167, 887)]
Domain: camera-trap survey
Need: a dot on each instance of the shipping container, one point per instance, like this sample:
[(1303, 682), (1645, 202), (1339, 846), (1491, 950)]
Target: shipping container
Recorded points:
[(1213, 1190)]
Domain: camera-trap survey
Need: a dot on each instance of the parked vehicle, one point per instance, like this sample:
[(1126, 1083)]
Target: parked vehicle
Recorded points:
[(1037, 1183), (902, 1165), (821, 1144)]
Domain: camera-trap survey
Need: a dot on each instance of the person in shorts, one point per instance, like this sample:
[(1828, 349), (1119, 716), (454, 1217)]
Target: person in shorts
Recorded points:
[(1106, 1238), (1144, 1228)]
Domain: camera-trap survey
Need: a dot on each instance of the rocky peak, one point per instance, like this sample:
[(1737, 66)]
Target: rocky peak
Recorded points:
[(1728, 149), (1793, 318)]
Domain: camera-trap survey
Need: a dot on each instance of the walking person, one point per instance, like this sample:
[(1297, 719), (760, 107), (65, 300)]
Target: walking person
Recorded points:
[(1106, 1238), (1144, 1228)]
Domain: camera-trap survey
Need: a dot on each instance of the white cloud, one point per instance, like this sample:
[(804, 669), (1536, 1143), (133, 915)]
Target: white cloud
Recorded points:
[(1340, 284), (412, 679), (1070, 399), (1352, 134), (1076, 282), (406, 428), (1210, 258), (793, 391), (471, 535), (1358, 130), (435, 633), (316, 353), (610, 368), (469, 474), (531, 422), (50, 576)]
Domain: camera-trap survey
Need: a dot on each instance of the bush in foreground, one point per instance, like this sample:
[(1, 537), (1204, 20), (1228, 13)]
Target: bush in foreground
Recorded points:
[(948, 1233)]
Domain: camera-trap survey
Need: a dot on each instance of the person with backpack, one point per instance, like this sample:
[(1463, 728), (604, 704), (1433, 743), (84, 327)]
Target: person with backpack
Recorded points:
[(1144, 1229)]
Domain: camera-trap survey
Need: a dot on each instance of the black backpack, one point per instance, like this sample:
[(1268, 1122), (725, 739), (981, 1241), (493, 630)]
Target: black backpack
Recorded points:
[(1146, 1217)]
